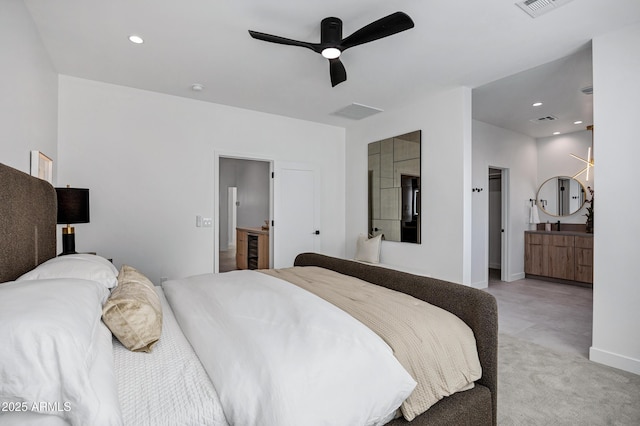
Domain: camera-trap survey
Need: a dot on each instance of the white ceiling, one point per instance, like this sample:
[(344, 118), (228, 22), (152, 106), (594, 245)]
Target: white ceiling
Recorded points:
[(469, 43), (558, 85)]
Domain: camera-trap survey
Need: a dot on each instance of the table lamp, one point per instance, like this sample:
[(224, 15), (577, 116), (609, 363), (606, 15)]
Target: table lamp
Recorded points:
[(73, 207)]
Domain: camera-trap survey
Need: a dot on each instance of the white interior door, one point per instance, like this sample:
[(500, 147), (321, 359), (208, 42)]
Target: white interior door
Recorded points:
[(296, 212)]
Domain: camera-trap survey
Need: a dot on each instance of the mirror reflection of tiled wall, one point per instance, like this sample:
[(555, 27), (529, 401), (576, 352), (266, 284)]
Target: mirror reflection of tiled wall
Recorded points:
[(394, 186)]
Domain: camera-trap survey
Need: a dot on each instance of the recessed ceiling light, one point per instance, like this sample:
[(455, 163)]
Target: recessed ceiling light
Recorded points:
[(197, 87), (136, 39), (577, 122), (556, 133), (537, 104)]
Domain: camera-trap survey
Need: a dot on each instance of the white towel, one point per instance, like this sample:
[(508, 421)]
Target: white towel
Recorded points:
[(534, 217)]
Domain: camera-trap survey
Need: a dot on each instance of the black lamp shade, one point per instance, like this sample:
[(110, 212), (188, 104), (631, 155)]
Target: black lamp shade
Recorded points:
[(73, 205)]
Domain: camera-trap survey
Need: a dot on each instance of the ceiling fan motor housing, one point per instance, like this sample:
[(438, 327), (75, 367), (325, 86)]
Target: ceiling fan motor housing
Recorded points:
[(331, 32)]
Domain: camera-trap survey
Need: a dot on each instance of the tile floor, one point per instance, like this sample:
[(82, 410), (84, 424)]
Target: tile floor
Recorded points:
[(558, 316)]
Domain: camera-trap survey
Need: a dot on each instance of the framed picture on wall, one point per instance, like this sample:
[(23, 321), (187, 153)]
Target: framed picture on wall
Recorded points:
[(41, 166)]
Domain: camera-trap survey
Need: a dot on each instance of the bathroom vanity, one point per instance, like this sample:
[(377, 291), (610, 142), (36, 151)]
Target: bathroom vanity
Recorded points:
[(559, 255), (252, 250)]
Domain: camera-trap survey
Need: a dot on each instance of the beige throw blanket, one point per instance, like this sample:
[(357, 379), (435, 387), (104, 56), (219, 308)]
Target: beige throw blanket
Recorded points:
[(436, 347)]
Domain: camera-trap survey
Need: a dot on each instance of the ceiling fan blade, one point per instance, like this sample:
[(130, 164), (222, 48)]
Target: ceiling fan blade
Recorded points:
[(383, 27), (337, 71), (281, 40)]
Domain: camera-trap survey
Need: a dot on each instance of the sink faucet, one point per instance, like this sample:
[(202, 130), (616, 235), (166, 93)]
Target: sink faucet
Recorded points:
[(558, 225)]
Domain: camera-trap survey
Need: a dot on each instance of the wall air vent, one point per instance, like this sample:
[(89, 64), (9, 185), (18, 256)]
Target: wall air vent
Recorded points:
[(357, 111), (535, 8)]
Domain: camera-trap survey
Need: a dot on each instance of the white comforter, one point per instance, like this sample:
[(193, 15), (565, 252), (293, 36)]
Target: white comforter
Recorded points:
[(279, 355), (167, 386)]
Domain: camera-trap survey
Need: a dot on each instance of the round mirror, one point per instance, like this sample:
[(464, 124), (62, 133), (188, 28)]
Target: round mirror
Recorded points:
[(561, 196)]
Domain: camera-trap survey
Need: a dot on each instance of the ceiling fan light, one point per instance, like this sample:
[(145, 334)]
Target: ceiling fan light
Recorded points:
[(331, 53)]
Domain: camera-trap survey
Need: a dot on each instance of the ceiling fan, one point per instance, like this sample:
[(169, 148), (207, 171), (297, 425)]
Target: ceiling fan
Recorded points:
[(332, 44)]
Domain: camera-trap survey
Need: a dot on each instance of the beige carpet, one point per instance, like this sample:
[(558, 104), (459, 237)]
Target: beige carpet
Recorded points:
[(539, 386)]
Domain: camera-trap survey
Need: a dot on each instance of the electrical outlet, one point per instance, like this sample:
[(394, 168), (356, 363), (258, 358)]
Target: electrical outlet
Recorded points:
[(207, 222)]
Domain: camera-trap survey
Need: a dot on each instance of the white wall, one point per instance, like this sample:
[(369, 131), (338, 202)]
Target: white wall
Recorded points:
[(554, 160), (148, 160), (28, 90), (496, 147), (616, 287), (445, 121)]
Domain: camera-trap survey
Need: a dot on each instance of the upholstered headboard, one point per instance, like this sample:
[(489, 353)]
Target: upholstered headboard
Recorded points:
[(28, 211)]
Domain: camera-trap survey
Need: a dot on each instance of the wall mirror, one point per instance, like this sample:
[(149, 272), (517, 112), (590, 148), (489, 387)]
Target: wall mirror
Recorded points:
[(394, 188), (561, 196)]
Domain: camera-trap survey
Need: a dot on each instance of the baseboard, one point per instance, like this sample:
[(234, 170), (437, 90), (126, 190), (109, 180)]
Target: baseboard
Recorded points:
[(480, 284), (614, 360), (516, 277)]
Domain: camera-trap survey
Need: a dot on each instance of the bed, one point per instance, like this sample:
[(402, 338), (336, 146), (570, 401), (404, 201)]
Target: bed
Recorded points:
[(178, 383)]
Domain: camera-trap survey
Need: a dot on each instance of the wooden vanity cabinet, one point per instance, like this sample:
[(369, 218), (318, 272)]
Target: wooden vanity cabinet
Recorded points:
[(560, 256), (252, 248), (536, 254), (584, 259)]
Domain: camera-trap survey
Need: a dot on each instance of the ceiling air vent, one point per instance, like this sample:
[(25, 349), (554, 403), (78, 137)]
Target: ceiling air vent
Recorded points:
[(535, 8), (544, 119), (357, 111)]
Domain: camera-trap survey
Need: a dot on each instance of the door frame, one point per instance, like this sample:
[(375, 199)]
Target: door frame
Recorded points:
[(505, 270), (217, 155), (232, 216), (505, 225)]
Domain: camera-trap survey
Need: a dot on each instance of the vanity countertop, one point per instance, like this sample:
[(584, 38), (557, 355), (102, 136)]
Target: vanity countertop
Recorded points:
[(253, 230), (575, 233)]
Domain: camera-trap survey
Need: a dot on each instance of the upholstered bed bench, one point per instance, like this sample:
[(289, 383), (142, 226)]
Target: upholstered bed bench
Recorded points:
[(476, 308)]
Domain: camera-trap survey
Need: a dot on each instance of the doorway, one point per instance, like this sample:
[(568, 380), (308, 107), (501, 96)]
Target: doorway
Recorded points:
[(244, 200), (498, 253), (290, 193)]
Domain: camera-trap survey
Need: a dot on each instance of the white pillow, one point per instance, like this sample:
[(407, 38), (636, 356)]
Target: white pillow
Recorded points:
[(368, 249), (51, 336), (81, 266)]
